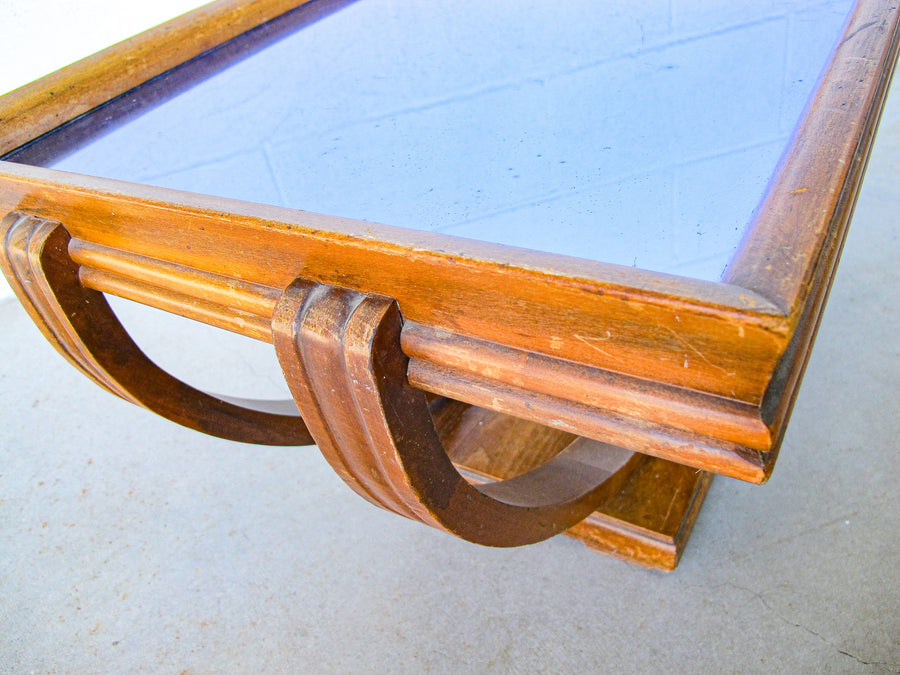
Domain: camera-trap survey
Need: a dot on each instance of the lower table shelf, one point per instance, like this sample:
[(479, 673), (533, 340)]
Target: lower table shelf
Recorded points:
[(652, 504), (649, 520)]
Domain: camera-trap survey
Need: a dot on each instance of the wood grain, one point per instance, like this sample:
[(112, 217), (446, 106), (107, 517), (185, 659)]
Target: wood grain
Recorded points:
[(226, 268), (646, 520), (698, 372), (649, 521), (484, 444), (701, 450), (701, 373), (340, 351), (693, 334), (811, 196), (791, 249), (79, 323), (119, 109)]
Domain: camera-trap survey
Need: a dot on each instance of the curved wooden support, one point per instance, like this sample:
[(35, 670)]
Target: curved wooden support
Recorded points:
[(80, 324), (340, 351)]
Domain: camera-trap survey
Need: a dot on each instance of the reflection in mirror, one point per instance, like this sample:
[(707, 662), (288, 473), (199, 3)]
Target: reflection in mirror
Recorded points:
[(641, 136)]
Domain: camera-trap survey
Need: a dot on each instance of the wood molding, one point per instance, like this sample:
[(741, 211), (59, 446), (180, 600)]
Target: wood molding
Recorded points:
[(642, 515), (340, 351), (700, 373), (646, 521), (79, 323), (703, 431), (810, 198), (693, 334)]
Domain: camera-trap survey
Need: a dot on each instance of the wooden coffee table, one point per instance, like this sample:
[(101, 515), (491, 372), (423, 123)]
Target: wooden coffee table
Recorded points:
[(498, 393)]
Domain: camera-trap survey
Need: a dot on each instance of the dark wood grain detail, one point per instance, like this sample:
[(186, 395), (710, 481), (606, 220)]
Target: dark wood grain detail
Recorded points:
[(812, 194), (483, 443), (490, 365), (702, 431), (688, 427), (340, 351), (50, 102), (693, 449), (79, 323), (701, 373), (647, 520), (692, 334), (650, 520), (791, 250), (31, 246)]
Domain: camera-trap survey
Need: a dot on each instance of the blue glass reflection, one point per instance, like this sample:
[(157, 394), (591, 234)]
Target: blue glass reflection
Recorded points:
[(637, 136)]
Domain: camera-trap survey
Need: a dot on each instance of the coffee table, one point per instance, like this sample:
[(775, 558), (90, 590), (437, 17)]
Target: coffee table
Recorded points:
[(427, 366)]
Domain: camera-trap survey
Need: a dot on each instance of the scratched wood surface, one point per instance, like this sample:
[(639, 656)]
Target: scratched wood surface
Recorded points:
[(550, 480), (715, 350), (641, 358), (340, 351)]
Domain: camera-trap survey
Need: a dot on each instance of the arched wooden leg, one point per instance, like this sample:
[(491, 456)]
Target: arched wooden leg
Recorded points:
[(84, 329), (340, 351)]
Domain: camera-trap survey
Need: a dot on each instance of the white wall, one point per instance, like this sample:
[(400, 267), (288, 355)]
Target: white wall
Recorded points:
[(40, 36)]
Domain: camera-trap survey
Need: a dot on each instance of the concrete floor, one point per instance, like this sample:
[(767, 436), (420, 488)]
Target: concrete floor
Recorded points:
[(129, 544)]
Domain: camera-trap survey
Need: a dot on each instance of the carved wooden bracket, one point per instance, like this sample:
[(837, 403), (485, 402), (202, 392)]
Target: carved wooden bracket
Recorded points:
[(340, 350), (80, 324)]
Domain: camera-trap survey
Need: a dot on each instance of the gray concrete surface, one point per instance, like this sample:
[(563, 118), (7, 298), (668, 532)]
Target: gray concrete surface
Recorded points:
[(128, 544)]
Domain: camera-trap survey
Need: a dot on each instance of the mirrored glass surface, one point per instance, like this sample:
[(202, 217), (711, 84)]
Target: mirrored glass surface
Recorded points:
[(641, 134)]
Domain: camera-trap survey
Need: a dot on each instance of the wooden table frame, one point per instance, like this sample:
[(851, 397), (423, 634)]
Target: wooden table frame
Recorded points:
[(550, 351)]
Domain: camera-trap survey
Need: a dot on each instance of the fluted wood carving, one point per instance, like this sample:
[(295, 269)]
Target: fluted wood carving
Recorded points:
[(340, 351), (79, 323)]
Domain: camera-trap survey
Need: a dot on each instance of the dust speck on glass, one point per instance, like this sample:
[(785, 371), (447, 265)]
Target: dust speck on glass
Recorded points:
[(641, 134)]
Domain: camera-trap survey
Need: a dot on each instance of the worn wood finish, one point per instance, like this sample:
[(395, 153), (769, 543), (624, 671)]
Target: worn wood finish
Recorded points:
[(695, 372), (652, 504), (172, 256), (47, 103), (483, 443), (713, 352), (79, 323), (791, 251), (340, 351), (700, 373), (691, 428), (812, 193), (650, 519), (688, 333)]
